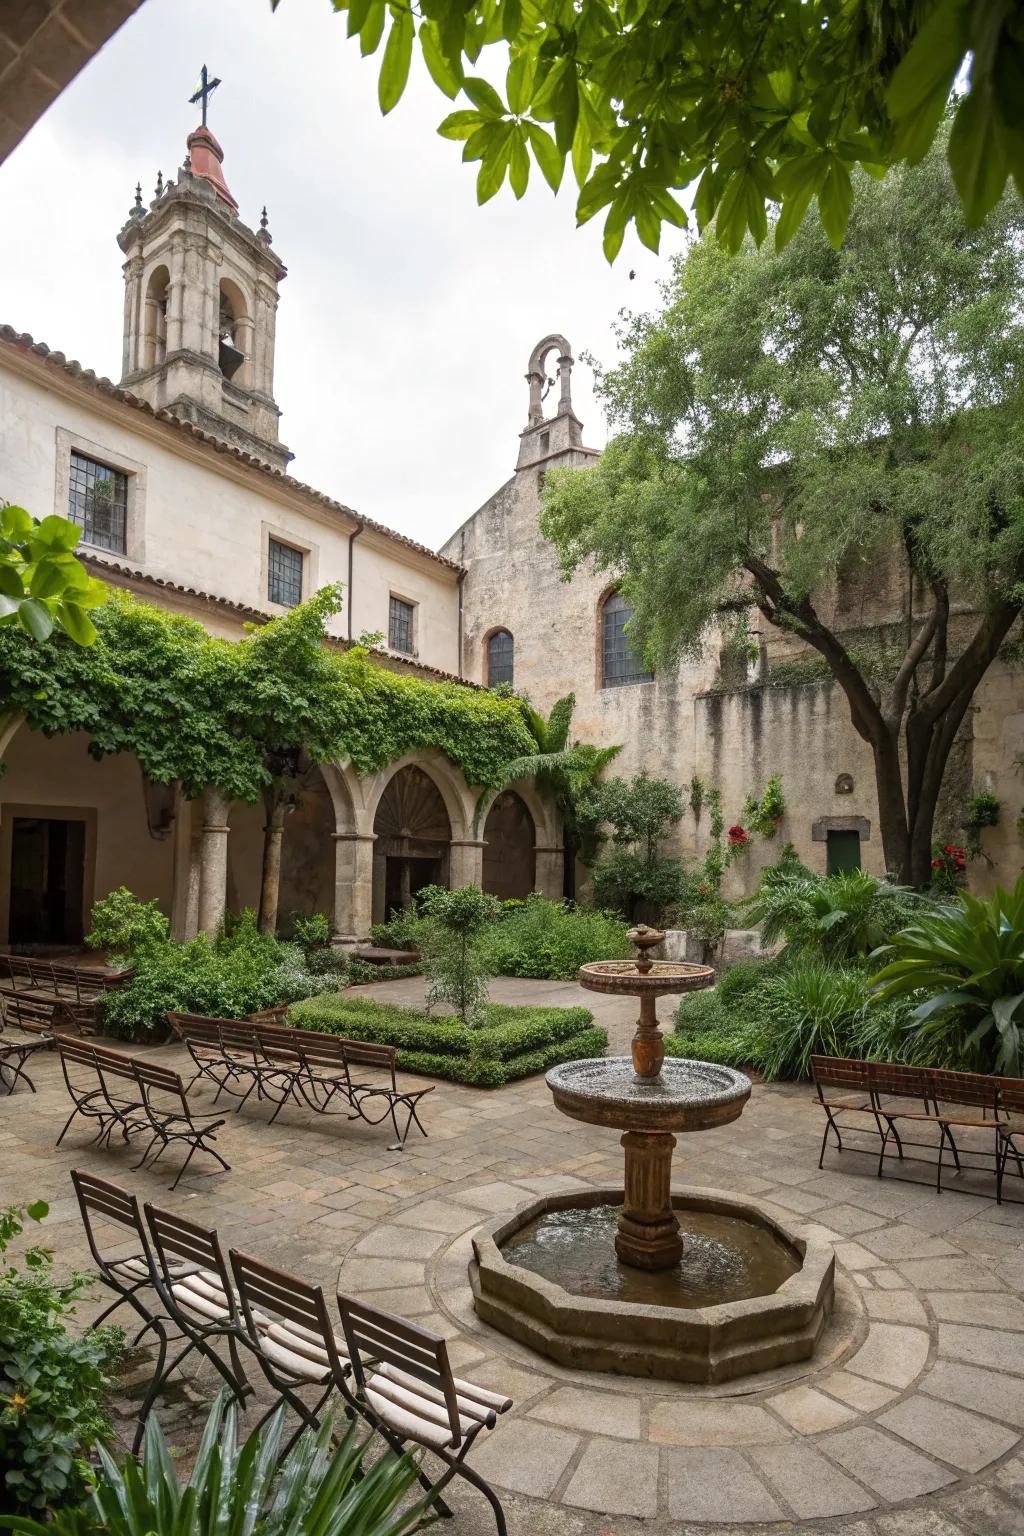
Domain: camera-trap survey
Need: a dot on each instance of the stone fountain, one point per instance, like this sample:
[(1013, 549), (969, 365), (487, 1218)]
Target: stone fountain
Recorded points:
[(608, 1279)]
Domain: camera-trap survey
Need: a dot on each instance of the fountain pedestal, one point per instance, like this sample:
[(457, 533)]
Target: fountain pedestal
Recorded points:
[(648, 1235)]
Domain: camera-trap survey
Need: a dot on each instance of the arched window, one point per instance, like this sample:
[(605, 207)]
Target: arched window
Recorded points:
[(155, 319), (500, 657), (232, 328), (620, 664)]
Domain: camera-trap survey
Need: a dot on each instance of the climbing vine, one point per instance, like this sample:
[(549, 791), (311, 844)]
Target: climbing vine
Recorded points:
[(211, 711)]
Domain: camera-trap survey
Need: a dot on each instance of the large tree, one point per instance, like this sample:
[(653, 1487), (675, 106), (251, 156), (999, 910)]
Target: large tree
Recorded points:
[(754, 101), (794, 421)]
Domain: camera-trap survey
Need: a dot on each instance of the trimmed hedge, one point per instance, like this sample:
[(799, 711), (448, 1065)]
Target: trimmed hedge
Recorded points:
[(511, 1043)]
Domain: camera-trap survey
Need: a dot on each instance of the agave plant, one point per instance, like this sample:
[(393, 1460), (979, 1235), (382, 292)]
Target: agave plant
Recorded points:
[(317, 1489), (842, 917), (968, 960)]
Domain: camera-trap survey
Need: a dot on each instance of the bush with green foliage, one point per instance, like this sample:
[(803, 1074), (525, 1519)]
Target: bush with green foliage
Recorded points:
[(311, 930), (762, 814), (451, 933), (322, 1485), (634, 877), (840, 917), (121, 924), (52, 1385), (983, 810), (550, 940), (963, 966), (509, 1043)]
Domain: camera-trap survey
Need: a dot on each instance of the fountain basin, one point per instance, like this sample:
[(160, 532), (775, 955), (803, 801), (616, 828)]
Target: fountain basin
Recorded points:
[(685, 1096), (704, 1344)]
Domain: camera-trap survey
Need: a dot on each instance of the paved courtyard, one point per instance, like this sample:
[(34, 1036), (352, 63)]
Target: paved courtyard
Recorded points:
[(907, 1422)]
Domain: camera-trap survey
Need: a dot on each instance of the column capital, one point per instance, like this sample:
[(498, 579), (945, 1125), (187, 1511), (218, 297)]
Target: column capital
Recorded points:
[(467, 842), (354, 837)]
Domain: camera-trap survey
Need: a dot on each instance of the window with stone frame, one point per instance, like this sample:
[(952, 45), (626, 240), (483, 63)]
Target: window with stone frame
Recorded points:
[(98, 503), (620, 664), (284, 574), (500, 658), (400, 625)]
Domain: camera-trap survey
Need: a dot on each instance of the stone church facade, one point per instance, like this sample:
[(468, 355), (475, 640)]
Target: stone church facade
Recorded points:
[(180, 481)]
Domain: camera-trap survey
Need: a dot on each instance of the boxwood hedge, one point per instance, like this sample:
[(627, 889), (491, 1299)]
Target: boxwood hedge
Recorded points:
[(512, 1042)]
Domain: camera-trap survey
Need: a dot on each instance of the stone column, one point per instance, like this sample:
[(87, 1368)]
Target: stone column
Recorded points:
[(549, 871), (467, 862), (648, 1235), (353, 886), (270, 890), (182, 867), (565, 384), (213, 861), (536, 383)]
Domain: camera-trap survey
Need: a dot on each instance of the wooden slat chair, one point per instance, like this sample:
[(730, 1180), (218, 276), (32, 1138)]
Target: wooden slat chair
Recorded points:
[(1011, 1130), (404, 1384), (375, 1100), (103, 1088), (170, 1117), (14, 1054), (843, 1086), (954, 1094), (47, 992), (902, 1096), (197, 1294), (132, 1278), (288, 1328), (223, 1050)]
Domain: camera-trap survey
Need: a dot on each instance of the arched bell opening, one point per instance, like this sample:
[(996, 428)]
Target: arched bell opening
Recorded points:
[(509, 841), (413, 847)]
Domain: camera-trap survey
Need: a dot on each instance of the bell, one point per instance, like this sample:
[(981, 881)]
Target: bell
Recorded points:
[(230, 359)]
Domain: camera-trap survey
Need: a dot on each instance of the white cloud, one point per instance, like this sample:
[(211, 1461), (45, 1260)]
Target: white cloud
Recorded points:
[(408, 314)]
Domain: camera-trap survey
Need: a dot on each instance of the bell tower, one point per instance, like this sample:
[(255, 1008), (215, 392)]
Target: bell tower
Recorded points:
[(200, 304), (544, 437)]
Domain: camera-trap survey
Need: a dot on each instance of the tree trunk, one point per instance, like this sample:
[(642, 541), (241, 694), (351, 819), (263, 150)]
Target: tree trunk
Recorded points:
[(270, 883)]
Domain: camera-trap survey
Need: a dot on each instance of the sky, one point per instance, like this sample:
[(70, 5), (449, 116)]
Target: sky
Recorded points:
[(409, 313)]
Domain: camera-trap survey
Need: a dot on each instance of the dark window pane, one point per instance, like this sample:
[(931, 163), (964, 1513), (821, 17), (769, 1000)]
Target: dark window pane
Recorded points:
[(500, 657), (621, 664), (284, 567), (98, 503), (842, 852), (400, 626)]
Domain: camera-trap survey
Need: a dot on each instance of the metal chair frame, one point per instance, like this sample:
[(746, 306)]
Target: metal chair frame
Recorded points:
[(170, 1126), (110, 1109), (380, 1343), (1011, 1134)]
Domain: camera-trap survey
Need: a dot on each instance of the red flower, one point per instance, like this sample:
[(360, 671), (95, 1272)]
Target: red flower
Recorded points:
[(936, 863), (738, 836), (949, 847)]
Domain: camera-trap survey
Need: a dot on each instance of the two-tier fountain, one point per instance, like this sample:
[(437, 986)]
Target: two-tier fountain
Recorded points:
[(609, 1279)]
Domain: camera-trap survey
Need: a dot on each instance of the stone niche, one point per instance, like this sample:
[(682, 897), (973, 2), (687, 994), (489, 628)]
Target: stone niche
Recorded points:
[(705, 1344)]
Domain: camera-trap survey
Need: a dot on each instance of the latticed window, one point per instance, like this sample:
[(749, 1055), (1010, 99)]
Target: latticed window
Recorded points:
[(621, 664), (98, 502), (284, 574), (400, 625), (500, 658)]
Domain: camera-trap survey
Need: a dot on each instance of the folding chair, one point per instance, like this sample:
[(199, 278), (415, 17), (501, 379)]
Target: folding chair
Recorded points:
[(14, 1054), (963, 1091), (288, 1328), (844, 1088), (170, 1118), (103, 1088), (196, 1291), (101, 1202), (1011, 1130), (892, 1081), (405, 1387)]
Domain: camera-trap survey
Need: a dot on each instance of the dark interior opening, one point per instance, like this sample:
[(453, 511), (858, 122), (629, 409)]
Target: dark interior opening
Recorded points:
[(842, 852), (47, 881)]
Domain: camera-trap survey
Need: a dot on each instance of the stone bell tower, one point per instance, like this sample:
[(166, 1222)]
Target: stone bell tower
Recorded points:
[(200, 305), (544, 438)]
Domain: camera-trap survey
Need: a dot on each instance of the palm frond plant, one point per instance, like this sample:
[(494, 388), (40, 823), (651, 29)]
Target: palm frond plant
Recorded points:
[(317, 1489), (568, 771), (966, 962), (842, 917)]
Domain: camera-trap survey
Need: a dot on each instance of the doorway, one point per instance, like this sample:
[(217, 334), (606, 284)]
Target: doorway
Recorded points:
[(47, 881), (842, 852)]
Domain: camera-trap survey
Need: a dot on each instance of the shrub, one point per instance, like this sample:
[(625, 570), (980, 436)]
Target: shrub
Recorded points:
[(966, 964), (121, 924), (838, 917), (319, 1487), (311, 930), (294, 978), (634, 875), (51, 1385), (450, 941), (550, 940), (764, 815), (708, 1030), (509, 1043), (983, 810)]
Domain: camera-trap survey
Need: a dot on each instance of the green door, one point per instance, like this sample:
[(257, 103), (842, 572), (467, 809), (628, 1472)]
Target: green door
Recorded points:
[(842, 852)]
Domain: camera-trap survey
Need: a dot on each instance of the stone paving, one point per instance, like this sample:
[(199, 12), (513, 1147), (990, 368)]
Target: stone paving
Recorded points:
[(907, 1422)]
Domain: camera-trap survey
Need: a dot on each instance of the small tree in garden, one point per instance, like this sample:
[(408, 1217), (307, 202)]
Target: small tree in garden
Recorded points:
[(634, 874), (450, 943)]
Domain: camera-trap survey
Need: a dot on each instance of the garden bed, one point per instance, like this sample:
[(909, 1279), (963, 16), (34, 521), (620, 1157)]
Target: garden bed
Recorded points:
[(512, 1042)]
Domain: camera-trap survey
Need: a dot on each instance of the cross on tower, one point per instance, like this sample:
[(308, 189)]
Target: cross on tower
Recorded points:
[(205, 91)]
